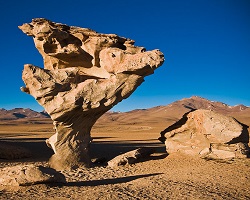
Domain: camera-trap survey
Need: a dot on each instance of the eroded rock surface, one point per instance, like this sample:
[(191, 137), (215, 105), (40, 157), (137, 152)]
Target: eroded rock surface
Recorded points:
[(207, 134), (85, 74), (22, 175)]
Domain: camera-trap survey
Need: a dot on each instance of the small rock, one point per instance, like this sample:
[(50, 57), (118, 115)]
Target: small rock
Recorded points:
[(205, 152), (221, 154), (22, 175), (130, 157)]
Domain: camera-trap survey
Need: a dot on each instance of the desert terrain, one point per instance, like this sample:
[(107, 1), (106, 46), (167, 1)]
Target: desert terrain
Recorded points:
[(161, 176)]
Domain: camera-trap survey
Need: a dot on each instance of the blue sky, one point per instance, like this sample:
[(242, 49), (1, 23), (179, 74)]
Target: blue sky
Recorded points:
[(206, 44)]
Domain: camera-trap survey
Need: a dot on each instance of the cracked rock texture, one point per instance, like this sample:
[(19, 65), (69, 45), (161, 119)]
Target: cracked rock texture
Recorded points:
[(85, 74), (207, 134)]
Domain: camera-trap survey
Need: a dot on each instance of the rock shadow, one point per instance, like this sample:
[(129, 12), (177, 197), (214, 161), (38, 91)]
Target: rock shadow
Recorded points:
[(244, 137), (109, 181), (100, 148), (176, 125), (36, 146), (111, 149), (153, 157)]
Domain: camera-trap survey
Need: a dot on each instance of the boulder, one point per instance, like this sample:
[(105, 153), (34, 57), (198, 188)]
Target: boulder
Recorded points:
[(22, 175), (85, 74), (207, 134), (130, 157)]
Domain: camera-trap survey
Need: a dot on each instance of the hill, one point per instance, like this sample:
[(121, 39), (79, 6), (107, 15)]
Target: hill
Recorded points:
[(20, 113), (159, 114), (175, 110)]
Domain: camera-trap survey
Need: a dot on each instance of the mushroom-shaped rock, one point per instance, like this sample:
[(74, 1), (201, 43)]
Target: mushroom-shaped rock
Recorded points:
[(85, 74), (207, 134)]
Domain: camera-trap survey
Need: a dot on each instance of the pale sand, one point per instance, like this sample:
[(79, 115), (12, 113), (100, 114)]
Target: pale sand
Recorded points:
[(175, 176)]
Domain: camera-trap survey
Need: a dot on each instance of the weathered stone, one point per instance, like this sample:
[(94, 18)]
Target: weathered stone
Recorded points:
[(85, 74), (227, 151), (10, 151), (207, 134), (130, 157), (22, 175)]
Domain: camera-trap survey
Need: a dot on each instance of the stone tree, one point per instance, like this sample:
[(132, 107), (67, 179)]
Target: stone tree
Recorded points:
[(85, 74)]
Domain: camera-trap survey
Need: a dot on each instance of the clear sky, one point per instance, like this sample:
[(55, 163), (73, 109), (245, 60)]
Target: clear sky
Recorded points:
[(206, 44)]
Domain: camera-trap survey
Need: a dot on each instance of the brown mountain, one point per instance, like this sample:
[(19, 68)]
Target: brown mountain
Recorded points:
[(161, 114), (174, 111), (20, 113)]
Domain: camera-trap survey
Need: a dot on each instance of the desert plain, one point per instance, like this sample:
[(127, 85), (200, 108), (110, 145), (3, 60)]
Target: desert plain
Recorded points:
[(160, 176)]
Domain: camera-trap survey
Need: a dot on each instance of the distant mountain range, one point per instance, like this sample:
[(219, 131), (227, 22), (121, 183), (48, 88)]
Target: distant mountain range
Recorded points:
[(19, 113), (170, 112), (176, 110)]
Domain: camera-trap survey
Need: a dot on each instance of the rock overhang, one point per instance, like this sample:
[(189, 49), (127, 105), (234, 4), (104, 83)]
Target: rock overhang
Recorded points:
[(85, 74)]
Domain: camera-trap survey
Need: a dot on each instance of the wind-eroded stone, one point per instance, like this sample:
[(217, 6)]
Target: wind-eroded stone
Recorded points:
[(85, 74), (207, 134)]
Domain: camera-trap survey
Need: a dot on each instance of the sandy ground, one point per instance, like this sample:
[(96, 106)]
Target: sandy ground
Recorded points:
[(161, 176)]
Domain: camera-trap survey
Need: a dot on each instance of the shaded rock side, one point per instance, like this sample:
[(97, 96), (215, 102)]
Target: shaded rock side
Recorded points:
[(207, 134), (85, 74), (10, 151), (22, 175)]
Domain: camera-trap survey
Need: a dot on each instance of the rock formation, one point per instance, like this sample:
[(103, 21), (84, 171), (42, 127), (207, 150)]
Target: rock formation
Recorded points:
[(22, 175), (130, 157), (85, 74), (207, 134)]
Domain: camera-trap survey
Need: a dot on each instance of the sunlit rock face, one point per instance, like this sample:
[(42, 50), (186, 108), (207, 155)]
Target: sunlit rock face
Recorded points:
[(207, 134), (85, 74)]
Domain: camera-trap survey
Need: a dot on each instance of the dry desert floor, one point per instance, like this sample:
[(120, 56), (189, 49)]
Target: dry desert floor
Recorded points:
[(161, 176)]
